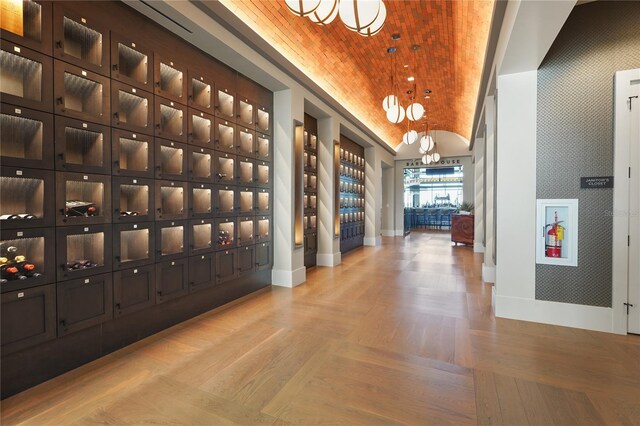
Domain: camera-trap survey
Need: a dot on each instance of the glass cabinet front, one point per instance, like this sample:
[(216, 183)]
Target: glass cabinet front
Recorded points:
[(134, 199), (85, 251), (263, 228), (82, 42), (172, 200), (21, 198), (246, 200), (84, 198), (224, 105), (201, 201), (245, 231), (22, 260), (201, 233), (225, 136), (245, 144), (246, 171), (171, 80), (23, 134), (226, 167), (225, 234), (134, 245), (245, 113), (172, 240), (21, 77), (263, 147), (226, 200), (132, 154)]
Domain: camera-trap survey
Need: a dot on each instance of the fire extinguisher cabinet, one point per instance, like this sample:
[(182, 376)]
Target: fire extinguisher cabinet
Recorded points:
[(557, 232)]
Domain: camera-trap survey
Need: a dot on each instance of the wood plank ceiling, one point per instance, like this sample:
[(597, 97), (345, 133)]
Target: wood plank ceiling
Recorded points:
[(356, 70)]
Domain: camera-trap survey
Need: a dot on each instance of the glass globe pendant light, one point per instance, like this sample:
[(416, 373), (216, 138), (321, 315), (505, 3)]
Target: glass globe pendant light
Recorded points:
[(395, 114), (302, 7), (357, 15), (436, 157), (415, 111), (424, 159), (426, 143), (377, 25), (325, 13), (421, 151), (389, 101), (410, 137)]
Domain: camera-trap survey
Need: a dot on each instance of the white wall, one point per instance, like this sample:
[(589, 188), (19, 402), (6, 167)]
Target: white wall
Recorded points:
[(388, 201)]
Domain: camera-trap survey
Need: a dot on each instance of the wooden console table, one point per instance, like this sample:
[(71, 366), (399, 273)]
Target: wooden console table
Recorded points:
[(462, 228)]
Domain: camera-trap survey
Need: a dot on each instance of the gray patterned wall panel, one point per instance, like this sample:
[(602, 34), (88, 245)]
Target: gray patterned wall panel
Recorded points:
[(575, 139)]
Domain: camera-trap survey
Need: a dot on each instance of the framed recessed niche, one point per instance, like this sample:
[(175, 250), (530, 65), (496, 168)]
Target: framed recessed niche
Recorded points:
[(557, 232)]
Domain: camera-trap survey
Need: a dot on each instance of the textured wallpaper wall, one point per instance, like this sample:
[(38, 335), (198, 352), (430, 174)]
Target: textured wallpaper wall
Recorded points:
[(575, 138)]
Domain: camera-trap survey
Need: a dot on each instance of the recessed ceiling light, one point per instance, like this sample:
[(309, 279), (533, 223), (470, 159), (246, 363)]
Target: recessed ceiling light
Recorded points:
[(411, 78), (406, 66), (427, 97)]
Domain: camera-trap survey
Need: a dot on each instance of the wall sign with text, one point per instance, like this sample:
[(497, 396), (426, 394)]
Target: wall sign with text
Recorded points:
[(596, 182)]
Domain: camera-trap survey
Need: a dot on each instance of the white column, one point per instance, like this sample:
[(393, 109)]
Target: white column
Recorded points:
[(288, 261), (372, 198), (388, 202), (516, 192), (478, 236), (489, 266), (328, 243)]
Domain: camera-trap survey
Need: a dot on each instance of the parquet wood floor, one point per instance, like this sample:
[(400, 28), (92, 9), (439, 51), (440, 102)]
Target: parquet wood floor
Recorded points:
[(403, 333)]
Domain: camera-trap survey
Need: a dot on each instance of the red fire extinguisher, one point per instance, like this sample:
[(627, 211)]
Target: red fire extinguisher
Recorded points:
[(554, 237)]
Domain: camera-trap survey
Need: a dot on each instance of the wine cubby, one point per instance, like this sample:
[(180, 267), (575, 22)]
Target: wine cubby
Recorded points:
[(172, 279), (352, 204), (225, 165), (81, 94), (171, 200), (246, 201), (201, 164), (131, 62), (36, 27), (226, 266), (263, 147), (263, 174), (171, 240), (263, 228), (171, 81), (202, 271), (263, 200), (134, 289), (25, 79), (171, 120), (225, 233), (27, 258), (132, 154), (201, 128), (83, 251), (82, 146), (246, 142), (133, 199), (28, 317), (135, 169), (246, 113), (225, 202), (171, 160), (200, 88), (310, 190), (81, 41), (201, 203), (26, 198), (225, 103), (82, 198), (84, 302), (201, 238), (133, 245), (225, 136), (263, 119), (25, 136), (245, 171), (246, 229), (131, 108)]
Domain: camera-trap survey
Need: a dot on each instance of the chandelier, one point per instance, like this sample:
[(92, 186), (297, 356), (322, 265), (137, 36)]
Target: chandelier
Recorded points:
[(366, 17)]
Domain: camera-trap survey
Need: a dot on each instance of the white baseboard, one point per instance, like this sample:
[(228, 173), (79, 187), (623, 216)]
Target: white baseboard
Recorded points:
[(329, 259), (388, 233), (478, 247), (563, 314), (282, 278), (372, 241), (399, 232), (488, 273)]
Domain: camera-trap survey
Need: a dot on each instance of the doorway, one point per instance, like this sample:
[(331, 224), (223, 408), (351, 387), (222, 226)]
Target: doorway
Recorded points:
[(626, 209)]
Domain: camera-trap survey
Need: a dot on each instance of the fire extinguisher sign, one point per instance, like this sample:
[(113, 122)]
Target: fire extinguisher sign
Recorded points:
[(557, 222)]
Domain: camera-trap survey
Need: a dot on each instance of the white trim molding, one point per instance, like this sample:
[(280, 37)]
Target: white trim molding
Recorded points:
[(288, 279), (488, 273), (564, 314), (372, 241), (478, 247), (329, 259), (388, 233)]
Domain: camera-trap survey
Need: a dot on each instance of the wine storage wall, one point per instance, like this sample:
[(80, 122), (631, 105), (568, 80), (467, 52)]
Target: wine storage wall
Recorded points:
[(310, 160), (136, 185), (352, 167)]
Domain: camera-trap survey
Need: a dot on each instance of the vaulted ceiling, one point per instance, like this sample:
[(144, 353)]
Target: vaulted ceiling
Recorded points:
[(356, 71)]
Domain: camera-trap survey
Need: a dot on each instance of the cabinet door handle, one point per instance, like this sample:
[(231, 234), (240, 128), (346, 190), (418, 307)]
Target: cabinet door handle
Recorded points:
[(59, 44), (117, 306), (115, 67), (60, 100)]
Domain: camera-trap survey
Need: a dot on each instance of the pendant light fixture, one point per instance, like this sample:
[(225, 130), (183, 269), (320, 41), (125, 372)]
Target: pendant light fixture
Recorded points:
[(325, 13), (426, 141), (436, 155), (302, 7), (415, 110), (377, 25), (357, 15), (391, 100), (395, 114)]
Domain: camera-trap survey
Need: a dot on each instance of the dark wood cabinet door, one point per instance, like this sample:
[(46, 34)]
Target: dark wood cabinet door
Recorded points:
[(170, 77), (246, 260), (26, 78), (28, 317), (171, 279), (263, 256), (133, 154), (83, 251), (133, 244), (82, 146), (38, 246), (26, 136), (84, 302), (226, 265), (202, 271), (36, 25), (26, 198), (134, 289), (131, 62), (131, 108)]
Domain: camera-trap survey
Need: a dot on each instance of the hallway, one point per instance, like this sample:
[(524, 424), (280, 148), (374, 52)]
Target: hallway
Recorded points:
[(401, 333)]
